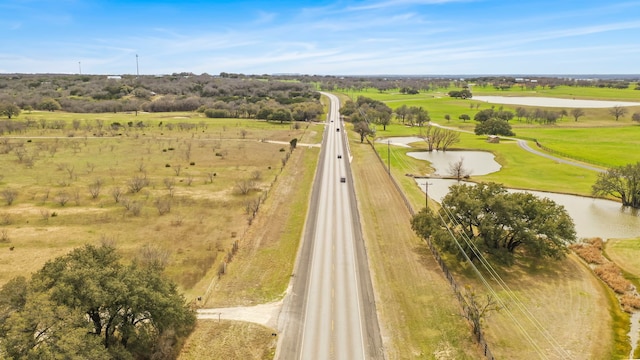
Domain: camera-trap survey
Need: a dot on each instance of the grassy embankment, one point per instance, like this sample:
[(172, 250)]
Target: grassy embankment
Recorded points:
[(523, 170), (417, 310), (626, 254)]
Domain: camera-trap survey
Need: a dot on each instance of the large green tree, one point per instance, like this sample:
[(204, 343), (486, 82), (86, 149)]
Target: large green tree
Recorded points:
[(498, 222), (622, 182), (363, 129), (9, 110), (49, 104), (494, 127), (91, 298)]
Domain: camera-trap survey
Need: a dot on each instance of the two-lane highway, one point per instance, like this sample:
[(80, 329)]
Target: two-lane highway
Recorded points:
[(330, 313)]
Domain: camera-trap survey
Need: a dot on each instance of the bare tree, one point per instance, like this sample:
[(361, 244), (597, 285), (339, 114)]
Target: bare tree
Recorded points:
[(457, 170), (449, 137), (251, 207), (618, 111), (69, 169), (577, 113), (153, 256), (163, 205), (53, 148), (636, 117), (45, 214), (177, 169), (243, 187), (94, 188), (187, 151), (477, 309), (62, 198), (4, 236), (9, 196), (116, 193), (76, 196), (243, 133), (21, 153), (170, 184), (133, 206), (137, 183)]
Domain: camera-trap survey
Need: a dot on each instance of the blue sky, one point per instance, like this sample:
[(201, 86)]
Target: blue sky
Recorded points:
[(337, 37)]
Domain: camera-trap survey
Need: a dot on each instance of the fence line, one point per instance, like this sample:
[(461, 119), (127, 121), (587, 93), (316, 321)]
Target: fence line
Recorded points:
[(476, 329), (573, 157)]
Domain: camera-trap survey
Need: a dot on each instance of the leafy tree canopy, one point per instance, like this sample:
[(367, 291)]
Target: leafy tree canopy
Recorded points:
[(89, 305), (497, 222), (622, 182), (494, 127), (9, 110)]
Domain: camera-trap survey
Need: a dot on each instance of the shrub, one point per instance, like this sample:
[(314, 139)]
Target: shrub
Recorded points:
[(630, 302), (590, 253), (611, 275)]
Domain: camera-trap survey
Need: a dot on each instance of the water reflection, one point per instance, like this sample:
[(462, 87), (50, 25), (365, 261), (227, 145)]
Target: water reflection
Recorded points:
[(475, 162), (592, 217)]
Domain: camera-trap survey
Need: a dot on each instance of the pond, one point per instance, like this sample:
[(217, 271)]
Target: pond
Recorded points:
[(553, 102), (592, 217), (475, 162)]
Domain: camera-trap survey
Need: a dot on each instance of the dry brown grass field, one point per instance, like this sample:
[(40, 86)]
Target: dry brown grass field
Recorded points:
[(417, 310), (191, 218), (231, 341), (183, 188), (574, 307)]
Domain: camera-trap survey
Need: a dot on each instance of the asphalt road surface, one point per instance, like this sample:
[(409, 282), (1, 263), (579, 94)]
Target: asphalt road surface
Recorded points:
[(330, 309)]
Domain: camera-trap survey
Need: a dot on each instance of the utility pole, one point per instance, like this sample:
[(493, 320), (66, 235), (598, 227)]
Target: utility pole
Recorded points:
[(426, 193), (79, 68), (137, 68)]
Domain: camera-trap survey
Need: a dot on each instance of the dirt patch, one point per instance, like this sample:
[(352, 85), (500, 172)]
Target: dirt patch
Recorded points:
[(31, 209), (263, 314)]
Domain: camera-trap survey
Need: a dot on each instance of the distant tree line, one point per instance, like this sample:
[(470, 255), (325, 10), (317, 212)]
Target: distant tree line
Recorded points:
[(226, 96)]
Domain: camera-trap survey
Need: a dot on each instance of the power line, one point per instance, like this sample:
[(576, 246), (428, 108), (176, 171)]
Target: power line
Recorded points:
[(496, 277)]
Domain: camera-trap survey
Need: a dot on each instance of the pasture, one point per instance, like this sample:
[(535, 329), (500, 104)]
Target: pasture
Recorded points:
[(179, 187)]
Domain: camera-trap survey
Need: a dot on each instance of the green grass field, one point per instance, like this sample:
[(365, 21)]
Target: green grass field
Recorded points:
[(438, 104), (597, 139)]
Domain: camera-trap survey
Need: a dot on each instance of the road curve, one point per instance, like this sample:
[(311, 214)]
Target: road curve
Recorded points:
[(329, 312), (525, 146)]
